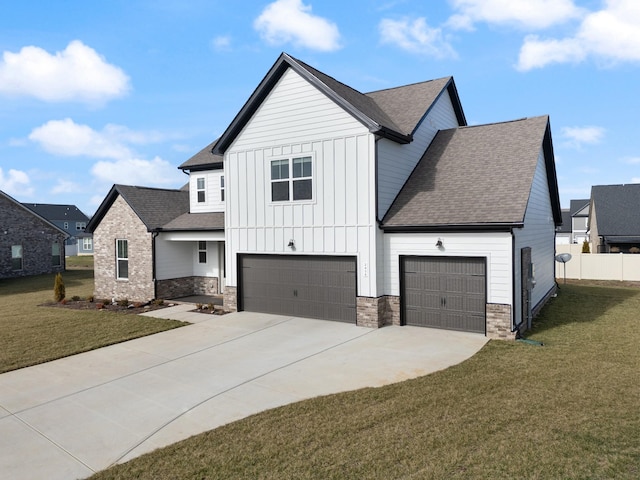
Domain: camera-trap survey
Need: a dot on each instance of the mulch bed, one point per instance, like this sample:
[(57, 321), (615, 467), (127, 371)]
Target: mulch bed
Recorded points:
[(133, 308)]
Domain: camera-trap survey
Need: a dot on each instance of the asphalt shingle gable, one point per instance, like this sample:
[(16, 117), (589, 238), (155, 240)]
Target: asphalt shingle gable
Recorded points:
[(203, 157), (477, 175), (155, 206), (197, 221), (616, 208)]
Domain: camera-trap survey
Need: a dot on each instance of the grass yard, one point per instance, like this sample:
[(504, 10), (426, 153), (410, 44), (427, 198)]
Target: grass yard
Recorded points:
[(569, 409), (31, 334)]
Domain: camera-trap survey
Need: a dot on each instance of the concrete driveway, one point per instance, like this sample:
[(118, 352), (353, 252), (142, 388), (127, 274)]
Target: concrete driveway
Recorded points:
[(72, 417)]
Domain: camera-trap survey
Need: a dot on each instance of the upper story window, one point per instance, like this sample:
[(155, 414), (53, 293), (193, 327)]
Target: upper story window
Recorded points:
[(66, 225), (200, 189), (291, 179), (81, 225), (222, 188), (122, 259)]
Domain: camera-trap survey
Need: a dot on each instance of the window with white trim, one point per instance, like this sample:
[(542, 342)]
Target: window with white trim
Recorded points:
[(56, 259), (66, 225), (87, 243), (292, 179), (200, 189), (202, 252), (16, 257), (81, 225), (222, 188), (122, 259)]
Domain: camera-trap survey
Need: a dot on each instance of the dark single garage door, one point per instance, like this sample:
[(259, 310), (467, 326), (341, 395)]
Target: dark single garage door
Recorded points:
[(301, 286), (444, 292)]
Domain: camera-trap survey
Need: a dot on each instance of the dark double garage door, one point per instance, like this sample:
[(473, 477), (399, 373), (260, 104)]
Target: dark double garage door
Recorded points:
[(299, 285), (444, 292)]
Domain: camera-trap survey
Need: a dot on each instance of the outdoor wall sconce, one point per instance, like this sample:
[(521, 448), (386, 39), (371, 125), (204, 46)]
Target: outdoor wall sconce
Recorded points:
[(291, 244), (439, 243)]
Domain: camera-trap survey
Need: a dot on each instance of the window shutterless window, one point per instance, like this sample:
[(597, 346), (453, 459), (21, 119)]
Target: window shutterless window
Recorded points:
[(122, 259), (55, 254), (200, 189), (81, 225), (87, 243), (222, 188), (16, 257), (202, 252), (292, 179)]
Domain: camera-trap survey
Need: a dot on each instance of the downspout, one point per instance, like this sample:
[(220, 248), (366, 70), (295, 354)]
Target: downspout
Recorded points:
[(514, 326), (153, 264)]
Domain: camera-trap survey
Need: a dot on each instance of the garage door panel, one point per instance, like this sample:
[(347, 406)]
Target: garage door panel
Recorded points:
[(303, 286), (444, 292)]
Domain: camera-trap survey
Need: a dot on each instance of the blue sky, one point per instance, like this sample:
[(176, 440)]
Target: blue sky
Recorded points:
[(97, 93)]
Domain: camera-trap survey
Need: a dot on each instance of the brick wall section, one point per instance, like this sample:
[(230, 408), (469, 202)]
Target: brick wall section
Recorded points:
[(392, 310), (230, 299), (121, 222), (370, 311), (186, 286), (499, 322), (36, 237)]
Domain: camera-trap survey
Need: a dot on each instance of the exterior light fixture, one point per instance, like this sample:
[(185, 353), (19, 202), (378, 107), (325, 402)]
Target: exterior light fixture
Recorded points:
[(439, 243), (291, 244)]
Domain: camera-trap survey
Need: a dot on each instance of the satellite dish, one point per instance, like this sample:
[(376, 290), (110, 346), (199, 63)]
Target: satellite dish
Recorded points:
[(563, 257)]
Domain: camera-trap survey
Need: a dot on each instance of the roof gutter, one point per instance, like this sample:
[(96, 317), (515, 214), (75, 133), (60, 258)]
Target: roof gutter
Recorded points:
[(473, 227)]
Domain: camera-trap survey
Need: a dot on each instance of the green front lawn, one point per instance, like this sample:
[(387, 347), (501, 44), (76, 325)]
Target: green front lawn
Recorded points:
[(31, 334), (569, 409)]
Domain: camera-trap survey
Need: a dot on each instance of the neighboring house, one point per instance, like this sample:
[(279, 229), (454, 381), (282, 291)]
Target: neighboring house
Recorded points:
[(148, 245), (563, 232), (378, 208), (579, 220), (29, 243), (614, 218), (70, 219)]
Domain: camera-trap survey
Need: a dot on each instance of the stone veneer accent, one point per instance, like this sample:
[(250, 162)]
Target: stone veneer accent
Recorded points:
[(230, 299), (370, 311), (186, 286), (392, 311), (499, 322), (121, 222), (18, 226)]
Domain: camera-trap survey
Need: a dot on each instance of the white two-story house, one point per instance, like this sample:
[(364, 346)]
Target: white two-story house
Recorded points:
[(374, 209)]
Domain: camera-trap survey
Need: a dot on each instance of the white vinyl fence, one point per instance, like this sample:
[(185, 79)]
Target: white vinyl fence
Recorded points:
[(598, 266)]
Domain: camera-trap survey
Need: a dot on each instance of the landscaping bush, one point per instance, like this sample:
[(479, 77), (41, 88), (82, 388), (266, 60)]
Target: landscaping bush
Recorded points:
[(585, 247), (124, 302), (634, 250), (58, 288)]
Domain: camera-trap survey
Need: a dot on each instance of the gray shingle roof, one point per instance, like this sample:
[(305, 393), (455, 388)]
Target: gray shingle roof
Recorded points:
[(57, 212), (154, 206), (566, 222), (197, 221), (203, 158), (617, 209), (576, 205), (479, 175)]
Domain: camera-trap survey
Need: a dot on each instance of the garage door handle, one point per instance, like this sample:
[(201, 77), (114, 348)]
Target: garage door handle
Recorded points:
[(295, 293)]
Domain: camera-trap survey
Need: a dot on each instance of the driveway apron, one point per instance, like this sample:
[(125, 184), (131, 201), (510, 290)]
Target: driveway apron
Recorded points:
[(69, 418)]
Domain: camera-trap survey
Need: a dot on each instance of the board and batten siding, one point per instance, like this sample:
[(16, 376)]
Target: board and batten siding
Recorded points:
[(495, 247), (213, 201), (177, 259), (297, 119), (539, 234), (396, 161)]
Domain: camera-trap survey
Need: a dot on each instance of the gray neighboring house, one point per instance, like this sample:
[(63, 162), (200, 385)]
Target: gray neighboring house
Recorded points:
[(563, 232), (70, 219), (614, 218), (579, 210), (147, 245), (29, 243)]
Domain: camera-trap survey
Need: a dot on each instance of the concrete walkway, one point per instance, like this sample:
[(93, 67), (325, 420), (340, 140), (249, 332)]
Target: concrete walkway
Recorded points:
[(72, 417)]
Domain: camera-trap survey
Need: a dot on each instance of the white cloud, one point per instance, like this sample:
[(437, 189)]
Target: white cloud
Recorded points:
[(65, 186), (285, 21), (415, 36), (531, 14), (78, 73), (135, 171), (610, 36), (221, 43), (67, 138), (635, 180), (15, 182), (633, 161), (578, 136)]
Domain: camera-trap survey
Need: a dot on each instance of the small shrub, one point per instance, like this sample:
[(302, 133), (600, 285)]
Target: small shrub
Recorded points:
[(198, 306), (211, 307), (76, 298), (634, 250), (90, 299), (124, 302), (585, 247), (614, 250), (158, 302), (58, 288)]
